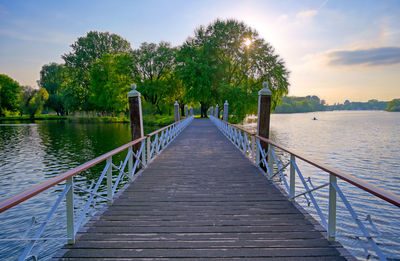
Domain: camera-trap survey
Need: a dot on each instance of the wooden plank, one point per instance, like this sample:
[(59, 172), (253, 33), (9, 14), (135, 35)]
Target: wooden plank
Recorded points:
[(201, 236), (205, 253)]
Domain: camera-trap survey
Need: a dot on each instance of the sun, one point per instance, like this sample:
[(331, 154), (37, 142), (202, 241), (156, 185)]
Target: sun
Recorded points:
[(247, 42)]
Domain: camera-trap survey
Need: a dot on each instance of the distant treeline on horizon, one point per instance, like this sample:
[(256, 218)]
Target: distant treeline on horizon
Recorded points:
[(312, 103)]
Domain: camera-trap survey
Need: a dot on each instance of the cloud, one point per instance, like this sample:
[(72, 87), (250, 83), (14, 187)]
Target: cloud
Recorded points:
[(369, 57), (306, 14), (47, 37)]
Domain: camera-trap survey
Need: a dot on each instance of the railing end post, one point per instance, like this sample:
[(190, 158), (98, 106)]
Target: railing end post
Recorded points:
[(70, 212), (332, 209), (292, 177), (109, 181)]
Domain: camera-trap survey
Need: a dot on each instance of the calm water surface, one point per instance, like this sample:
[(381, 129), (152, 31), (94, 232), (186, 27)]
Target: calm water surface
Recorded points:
[(33, 152), (364, 144)]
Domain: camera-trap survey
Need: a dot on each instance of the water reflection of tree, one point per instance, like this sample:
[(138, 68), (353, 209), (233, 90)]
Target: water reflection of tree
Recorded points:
[(70, 144)]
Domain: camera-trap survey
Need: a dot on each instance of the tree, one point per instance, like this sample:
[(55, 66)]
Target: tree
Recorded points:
[(85, 51), (53, 78), (35, 102), (216, 62), (9, 94), (153, 67), (393, 105), (26, 95), (111, 77)]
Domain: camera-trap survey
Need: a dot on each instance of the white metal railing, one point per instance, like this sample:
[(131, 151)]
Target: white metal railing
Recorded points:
[(261, 152), (140, 153)]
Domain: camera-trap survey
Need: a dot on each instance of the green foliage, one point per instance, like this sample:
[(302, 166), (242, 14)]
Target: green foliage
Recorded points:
[(393, 105), (213, 66), (300, 104), (85, 51), (36, 117), (9, 94), (111, 77), (35, 100), (153, 68), (54, 78), (370, 105), (158, 120), (216, 62)]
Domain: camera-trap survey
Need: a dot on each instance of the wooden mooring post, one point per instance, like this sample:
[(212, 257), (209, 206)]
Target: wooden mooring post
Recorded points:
[(136, 119), (135, 113), (263, 119)]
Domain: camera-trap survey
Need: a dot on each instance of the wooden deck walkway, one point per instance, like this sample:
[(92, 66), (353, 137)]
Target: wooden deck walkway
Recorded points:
[(201, 199)]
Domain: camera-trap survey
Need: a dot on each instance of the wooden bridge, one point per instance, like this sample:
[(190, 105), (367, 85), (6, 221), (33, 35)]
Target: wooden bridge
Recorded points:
[(204, 190), (201, 199)]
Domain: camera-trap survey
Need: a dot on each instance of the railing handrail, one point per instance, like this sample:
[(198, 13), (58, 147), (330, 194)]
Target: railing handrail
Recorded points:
[(366, 186), (33, 191)]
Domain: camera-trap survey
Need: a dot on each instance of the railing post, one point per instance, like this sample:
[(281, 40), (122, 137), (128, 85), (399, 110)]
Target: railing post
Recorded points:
[(270, 160), (264, 115), (226, 108), (143, 143), (148, 143), (70, 212), (135, 114), (130, 163), (217, 111), (332, 209), (176, 110), (254, 148), (109, 181), (186, 111), (292, 177)]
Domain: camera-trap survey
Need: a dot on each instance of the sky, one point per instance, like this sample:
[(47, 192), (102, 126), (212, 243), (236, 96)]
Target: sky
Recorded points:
[(336, 50)]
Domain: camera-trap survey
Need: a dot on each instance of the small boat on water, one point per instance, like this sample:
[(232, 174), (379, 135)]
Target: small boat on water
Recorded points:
[(314, 119)]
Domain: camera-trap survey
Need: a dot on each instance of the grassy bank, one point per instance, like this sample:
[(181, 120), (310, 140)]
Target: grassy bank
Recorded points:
[(148, 120), (36, 117)]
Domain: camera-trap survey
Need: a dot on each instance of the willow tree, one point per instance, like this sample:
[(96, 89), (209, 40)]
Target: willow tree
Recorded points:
[(153, 68), (228, 60)]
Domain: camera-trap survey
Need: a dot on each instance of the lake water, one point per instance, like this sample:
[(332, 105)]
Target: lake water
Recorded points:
[(33, 152), (365, 144)]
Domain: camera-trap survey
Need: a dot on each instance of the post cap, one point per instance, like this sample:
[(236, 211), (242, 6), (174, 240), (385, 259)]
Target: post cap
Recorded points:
[(185, 105), (176, 103), (265, 90), (134, 92), (226, 102)]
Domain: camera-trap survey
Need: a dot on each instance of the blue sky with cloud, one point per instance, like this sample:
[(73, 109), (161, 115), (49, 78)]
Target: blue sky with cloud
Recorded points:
[(335, 49)]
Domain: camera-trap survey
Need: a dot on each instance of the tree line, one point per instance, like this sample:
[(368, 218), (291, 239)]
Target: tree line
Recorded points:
[(226, 60), (314, 103)]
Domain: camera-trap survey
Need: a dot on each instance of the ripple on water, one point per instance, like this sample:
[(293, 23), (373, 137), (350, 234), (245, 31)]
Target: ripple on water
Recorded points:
[(365, 144)]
